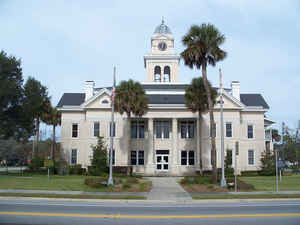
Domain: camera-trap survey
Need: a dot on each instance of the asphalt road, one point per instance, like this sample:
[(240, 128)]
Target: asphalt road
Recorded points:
[(15, 211)]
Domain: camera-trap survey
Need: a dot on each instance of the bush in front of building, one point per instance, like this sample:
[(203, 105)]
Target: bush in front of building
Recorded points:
[(267, 164), (99, 160), (76, 170), (36, 163)]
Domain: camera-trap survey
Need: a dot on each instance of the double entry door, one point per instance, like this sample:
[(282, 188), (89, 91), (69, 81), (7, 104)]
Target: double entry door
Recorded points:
[(162, 160)]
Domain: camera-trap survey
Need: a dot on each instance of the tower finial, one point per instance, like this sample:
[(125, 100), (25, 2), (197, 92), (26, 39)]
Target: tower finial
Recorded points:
[(162, 20)]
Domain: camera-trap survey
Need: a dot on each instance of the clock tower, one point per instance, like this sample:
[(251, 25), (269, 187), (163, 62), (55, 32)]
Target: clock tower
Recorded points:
[(162, 63)]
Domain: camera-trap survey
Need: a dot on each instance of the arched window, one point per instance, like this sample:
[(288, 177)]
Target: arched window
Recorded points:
[(157, 74), (105, 101), (167, 74)]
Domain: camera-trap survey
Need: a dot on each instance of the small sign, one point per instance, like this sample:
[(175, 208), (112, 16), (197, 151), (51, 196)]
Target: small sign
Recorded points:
[(48, 163)]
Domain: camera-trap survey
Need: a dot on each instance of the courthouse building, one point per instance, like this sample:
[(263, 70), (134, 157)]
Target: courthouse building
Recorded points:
[(165, 140)]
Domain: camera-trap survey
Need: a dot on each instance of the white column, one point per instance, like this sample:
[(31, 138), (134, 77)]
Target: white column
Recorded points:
[(174, 151), (150, 150)]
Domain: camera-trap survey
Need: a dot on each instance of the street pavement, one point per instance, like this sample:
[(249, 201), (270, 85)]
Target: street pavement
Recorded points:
[(17, 211)]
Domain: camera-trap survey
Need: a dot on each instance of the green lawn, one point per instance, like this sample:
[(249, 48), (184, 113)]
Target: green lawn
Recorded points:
[(56, 182), (268, 183)]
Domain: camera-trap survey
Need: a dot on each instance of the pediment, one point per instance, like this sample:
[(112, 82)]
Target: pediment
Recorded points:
[(229, 102), (99, 100)]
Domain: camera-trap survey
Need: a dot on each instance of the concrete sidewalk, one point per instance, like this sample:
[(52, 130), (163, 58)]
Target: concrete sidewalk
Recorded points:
[(167, 188)]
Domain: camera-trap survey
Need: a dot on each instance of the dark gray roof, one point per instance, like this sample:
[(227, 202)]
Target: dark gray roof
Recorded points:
[(71, 99), (166, 99), (254, 100), (162, 29), (76, 99)]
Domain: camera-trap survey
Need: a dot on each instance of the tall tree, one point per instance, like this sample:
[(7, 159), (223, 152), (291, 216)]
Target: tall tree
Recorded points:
[(36, 102), (13, 123), (203, 48), (52, 117), (196, 101), (130, 98)]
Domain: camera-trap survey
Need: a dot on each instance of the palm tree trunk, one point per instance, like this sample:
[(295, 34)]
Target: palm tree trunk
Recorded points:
[(212, 122), (199, 142)]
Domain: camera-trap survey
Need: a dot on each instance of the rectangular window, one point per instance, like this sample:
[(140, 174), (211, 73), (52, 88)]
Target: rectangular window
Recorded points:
[(112, 129), (96, 129), (137, 158), (228, 159), (137, 129), (74, 156), (74, 130), (250, 131), (187, 129), (228, 130), (162, 129), (251, 157), (210, 131), (187, 158)]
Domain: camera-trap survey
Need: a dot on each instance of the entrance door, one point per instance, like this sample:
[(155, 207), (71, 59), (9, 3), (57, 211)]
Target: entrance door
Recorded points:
[(162, 160)]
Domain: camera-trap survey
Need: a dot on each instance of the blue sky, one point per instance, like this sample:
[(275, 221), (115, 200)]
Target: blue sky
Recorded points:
[(63, 43)]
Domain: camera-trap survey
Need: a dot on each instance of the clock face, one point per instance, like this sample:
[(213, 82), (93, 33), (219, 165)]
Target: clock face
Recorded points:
[(162, 46)]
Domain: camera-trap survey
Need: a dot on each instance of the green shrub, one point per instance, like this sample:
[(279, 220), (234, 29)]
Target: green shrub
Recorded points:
[(126, 186), (99, 160), (36, 163), (249, 173)]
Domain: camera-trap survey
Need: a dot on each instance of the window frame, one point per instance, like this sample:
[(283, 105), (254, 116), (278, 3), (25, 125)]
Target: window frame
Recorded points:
[(185, 129), (165, 129), (138, 157), (72, 131), (228, 123), (248, 131), (95, 129), (249, 158), (187, 158), (138, 125), (71, 157)]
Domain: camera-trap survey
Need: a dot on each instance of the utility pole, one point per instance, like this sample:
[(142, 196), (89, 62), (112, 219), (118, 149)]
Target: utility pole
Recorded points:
[(112, 130), (223, 180), (235, 164), (276, 166)]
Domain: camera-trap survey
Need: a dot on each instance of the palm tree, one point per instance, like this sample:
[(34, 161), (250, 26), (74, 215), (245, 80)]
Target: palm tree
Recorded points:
[(52, 117), (130, 98), (196, 101), (202, 48)]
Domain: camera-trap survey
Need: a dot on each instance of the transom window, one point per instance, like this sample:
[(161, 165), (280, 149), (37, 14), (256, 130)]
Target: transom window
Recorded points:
[(162, 129), (137, 129), (250, 131), (187, 158), (228, 129), (96, 129), (187, 129), (137, 158), (74, 130), (251, 157)]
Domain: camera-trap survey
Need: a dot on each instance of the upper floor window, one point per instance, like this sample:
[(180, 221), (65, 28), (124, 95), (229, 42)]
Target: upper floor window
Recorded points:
[(74, 156), (75, 130), (167, 74), (187, 129), (210, 131), (112, 129), (137, 129), (250, 157), (157, 74), (250, 131), (105, 101), (96, 129), (162, 129), (228, 129)]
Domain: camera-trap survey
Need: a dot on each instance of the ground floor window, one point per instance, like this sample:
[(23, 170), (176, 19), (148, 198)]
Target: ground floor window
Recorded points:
[(137, 158), (251, 157), (74, 156), (187, 158), (228, 160)]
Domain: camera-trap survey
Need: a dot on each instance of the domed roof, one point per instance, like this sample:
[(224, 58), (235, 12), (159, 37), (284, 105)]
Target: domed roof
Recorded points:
[(162, 29)]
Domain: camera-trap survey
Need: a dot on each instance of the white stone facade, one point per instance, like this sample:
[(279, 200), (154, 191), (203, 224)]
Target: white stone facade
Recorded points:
[(159, 146)]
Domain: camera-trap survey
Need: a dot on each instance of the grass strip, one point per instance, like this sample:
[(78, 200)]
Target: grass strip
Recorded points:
[(258, 196), (126, 197)]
